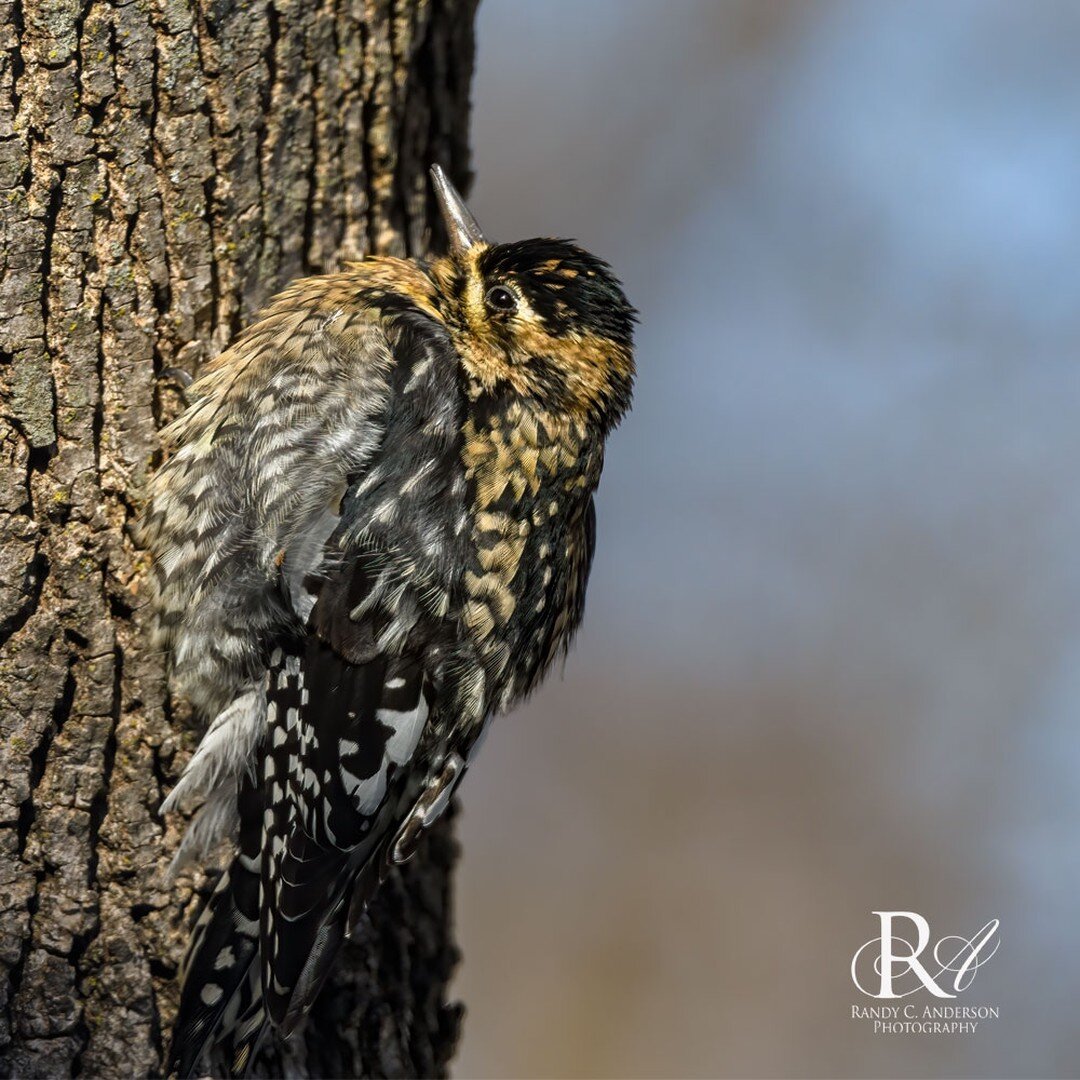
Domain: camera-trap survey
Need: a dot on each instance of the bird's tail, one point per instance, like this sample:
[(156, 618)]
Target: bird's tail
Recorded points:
[(220, 993)]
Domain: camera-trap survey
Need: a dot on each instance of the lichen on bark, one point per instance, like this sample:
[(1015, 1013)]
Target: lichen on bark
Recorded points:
[(166, 165)]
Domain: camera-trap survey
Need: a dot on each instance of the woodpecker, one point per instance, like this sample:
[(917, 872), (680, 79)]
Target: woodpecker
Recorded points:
[(374, 533)]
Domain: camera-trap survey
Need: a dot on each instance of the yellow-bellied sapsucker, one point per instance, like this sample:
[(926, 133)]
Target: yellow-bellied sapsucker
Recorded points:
[(375, 532)]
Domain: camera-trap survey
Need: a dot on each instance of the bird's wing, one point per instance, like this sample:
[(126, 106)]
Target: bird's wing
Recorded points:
[(349, 695), (351, 702)]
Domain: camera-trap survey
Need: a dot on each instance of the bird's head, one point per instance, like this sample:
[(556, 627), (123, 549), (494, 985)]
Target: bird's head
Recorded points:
[(540, 318)]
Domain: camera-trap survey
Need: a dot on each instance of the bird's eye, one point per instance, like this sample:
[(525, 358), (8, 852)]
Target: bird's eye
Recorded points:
[(500, 298)]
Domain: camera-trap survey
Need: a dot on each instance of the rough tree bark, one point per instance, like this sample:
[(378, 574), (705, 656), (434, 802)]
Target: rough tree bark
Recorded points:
[(165, 165)]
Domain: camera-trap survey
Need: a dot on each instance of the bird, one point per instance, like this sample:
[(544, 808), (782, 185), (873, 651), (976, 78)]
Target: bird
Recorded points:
[(371, 534)]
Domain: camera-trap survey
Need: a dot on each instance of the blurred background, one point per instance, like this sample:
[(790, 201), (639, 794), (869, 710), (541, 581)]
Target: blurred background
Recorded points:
[(831, 660)]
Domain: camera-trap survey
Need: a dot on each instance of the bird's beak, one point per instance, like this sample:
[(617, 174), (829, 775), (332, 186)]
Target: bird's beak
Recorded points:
[(461, 226)]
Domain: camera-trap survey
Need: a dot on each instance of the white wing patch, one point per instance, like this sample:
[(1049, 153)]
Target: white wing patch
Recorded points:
[(367, 793), (406, 726)]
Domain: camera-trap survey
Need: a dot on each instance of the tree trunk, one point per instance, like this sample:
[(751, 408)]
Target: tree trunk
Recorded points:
[(166, 165)]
